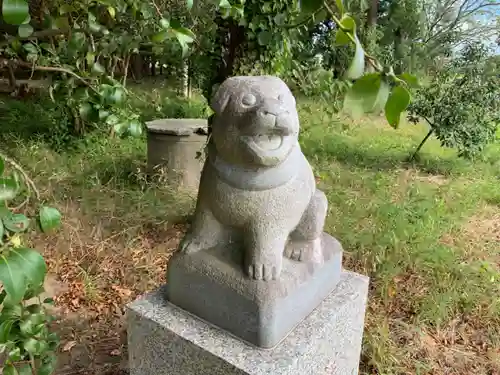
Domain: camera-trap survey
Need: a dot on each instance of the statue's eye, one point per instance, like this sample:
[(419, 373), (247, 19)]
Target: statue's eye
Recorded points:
[(249, 100)]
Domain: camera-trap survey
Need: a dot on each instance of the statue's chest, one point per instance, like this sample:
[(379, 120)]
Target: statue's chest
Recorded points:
[(239, 207)]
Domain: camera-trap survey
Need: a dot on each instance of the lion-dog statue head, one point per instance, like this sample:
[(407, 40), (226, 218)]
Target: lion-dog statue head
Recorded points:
[(255, 125)]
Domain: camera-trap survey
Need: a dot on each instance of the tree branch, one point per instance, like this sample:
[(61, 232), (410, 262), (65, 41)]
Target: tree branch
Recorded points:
[(53, 69), (21, 170), (39, 35), (441, 16), (463, 13), (372, 60)]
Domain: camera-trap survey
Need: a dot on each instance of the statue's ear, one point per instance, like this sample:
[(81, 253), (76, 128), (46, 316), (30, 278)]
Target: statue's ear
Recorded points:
[(221, 97)]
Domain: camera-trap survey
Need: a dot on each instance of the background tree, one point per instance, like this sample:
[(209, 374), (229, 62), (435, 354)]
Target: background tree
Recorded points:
[(462, 103)]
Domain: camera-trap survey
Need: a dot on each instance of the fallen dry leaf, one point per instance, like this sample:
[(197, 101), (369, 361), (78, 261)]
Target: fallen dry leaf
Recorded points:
[(68, 346), (123, 292)]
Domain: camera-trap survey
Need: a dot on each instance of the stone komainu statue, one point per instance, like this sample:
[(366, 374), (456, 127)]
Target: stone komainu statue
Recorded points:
[(257, 188)]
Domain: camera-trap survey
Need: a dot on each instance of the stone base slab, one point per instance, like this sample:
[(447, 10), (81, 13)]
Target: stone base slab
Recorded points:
[(166, 340), (211, 285)]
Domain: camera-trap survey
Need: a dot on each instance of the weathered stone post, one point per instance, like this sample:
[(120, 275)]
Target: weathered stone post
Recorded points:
[(173, 145), (256, 287)]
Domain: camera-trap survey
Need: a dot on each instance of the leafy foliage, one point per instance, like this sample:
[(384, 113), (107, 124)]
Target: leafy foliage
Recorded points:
[(25, 339), (86, 47), (462, 103)]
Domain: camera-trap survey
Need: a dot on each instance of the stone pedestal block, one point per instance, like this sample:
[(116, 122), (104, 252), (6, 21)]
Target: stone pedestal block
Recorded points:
[(210, 284), (166, 340), (173, 146)]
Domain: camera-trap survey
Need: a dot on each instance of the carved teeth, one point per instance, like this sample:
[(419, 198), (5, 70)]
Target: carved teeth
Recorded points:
[(268, 142)]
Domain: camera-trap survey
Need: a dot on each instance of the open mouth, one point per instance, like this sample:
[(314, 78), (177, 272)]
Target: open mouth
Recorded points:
[(266, 142)]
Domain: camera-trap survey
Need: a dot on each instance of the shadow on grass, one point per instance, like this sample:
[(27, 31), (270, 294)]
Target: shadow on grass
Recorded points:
[(381, 157)]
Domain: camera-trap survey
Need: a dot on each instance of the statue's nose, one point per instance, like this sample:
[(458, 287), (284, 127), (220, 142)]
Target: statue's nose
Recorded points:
[(271, 108)]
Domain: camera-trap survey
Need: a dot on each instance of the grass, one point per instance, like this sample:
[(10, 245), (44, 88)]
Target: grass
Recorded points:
[(427, 233)]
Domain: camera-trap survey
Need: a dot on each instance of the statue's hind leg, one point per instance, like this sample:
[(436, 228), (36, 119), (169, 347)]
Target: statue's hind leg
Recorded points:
[(305, 241)]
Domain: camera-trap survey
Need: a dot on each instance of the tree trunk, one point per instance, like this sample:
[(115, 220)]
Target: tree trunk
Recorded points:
[(185, 78), (372, 14), (231, 36), (414, 155), (398, 51)]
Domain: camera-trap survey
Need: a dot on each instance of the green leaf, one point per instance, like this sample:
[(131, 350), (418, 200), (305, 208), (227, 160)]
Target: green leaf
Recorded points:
[(112, 12), (32, 346), (25, 30), (184, 35), (30, 48), (341, 38), (189, 4), (13, 279), (8, 189), (340, 6), (224, 4), (5, 347), (26, 328), (117, 95), (11, 311), (264, 37), (165, 23), (119, 128), (348, 23), (2, 166), (31, 263), (77, 40), (48, 301), (160, 37), (98, 68), (33, 291), (280, 19), (90, 58), (49, 365), (357, 66), (397, 103), (4, 211), (9, 370), (61, 23), (15, 355), (2, 233), (94, 26), (362, 96), (50, 218), (382, 97), (16, 223), (5, 328), (112, 120), (410, 79), (85, 110), (25, 369), (34, 308), (135, 128), (14, 12)]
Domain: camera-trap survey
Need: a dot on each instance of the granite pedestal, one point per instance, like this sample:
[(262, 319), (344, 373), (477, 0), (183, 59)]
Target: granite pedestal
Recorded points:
[(166, 340), (211, 285)]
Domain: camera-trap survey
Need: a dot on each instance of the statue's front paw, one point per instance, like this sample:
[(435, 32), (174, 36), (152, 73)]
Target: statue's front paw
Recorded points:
[(190, 245), (264, 271), (305, 251)]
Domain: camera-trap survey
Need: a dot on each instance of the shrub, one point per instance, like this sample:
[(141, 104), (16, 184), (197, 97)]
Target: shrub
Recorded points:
[(26, 343), (461, 104)]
